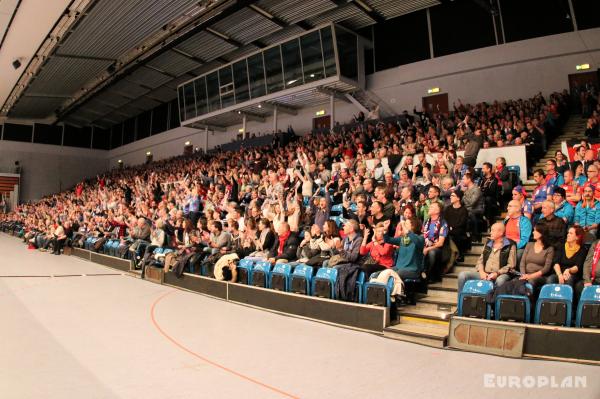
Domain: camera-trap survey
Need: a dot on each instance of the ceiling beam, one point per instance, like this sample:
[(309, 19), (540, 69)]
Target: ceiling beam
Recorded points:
[(82, 57), (286, 109), (370, 11)]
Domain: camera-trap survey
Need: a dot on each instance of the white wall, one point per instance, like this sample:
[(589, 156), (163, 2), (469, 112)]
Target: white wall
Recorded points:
[(48, 169), (514, 70)]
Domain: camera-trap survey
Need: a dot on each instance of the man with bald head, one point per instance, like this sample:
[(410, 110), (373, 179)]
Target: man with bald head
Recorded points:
[(498, 258)]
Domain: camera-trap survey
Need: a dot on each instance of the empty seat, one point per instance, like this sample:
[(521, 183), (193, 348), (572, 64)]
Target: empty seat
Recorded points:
[(301, 279), (323, 284), (260, 274), (337, 209), (375, 293), (471, 300), (513, 307), (588, 310), (280, 277), (554, 305), (360, 286), (244, 271)]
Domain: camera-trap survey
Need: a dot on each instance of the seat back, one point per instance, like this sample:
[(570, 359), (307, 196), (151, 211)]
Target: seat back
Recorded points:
[(471, 300), (515, 308), (588, 310), (554, 305), (260, 274), (376, 293), (324, 282), (280, 277), (301, 279), (244, 269)]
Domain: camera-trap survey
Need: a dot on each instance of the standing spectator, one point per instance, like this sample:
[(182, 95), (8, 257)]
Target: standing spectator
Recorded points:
[(540, 194), (409, 259), (473, 201), (489, 190), (435, 231), (456, 216)]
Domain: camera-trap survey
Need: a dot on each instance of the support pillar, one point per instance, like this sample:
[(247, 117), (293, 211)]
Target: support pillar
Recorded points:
[(244, 127), (206, 139), (332, 110), (275, 119)]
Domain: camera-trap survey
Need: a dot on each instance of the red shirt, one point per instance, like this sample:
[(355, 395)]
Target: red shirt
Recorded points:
[(382, 254), (512, 229), (571, 189)]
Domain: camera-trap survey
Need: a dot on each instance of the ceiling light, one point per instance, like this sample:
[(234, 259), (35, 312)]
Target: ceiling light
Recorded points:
[(187, 143), (259, 106), (148, 153)]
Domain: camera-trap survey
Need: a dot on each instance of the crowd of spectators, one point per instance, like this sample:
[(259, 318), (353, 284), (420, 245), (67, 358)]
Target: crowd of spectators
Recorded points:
[(379, 196)]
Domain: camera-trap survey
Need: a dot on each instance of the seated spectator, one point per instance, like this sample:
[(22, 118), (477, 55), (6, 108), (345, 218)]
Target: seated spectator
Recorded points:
[(265, 240), (553, 178), (311, 245), (593, 181), (556, 228), (572, 189), (220, 240), (540, 194), (433, 195), (518, 227), (591, 269), (349, 247), (378, 253), (435, 231), (520, 194), (498, 259), (285, 246), (456, 216), (587, 214), (562, 208), (580, 176), (409, 259), (536, 262), (57, 238), (569, 259)]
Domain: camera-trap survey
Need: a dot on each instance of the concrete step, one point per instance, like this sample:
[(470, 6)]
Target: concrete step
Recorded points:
[(424, 317), (448, 285), (425, 335), (470, 259), (461, 268)]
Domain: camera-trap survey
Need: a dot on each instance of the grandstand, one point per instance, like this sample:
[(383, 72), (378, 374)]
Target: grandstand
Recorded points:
[(273, 198)]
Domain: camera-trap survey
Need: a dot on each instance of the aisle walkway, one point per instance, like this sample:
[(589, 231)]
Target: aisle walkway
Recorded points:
[(113, 336)]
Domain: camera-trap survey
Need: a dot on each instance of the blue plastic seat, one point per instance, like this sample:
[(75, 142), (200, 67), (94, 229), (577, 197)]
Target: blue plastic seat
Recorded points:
[(588, 310), (339, 220), (360, 286), (512, 305), (261, 273), (337, 208), (353, 207), (301, 279), (475, 291), (554, 305), (375, 293), (323, 285), (244, 269), (514, 168), (280, 277)]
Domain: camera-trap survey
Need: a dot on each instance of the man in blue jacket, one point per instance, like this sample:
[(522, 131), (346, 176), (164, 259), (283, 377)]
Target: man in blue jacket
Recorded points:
[(587, 213), (562, 209)]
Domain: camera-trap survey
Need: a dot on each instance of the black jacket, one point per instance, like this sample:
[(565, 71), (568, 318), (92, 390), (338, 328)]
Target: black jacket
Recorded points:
[(289, 248)]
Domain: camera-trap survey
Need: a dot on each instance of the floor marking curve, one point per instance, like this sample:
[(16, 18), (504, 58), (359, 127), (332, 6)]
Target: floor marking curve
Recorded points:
[(205, 359)]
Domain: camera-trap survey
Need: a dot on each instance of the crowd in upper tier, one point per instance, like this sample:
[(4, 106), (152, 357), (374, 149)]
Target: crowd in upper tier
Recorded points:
[(376, 197)]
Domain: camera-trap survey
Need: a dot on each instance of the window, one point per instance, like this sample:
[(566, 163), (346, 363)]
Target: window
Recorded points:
[(47, 134), (534, 18), (226, 86), (173, 114), (240, 78), (77, 136), (116, 135), (292, 63), (143, 125), (257, 75), (101, 139), (201, 104), (129, 131), (190, 101), (328, 52), (181, 103), (160, 115), (16, 132), (347, 45), (312, 57), (273, 69), (212, 86), (388, 53)]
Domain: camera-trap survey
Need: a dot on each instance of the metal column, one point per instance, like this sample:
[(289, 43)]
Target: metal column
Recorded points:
[(244, 127), (332, 109), (206, 139), (275, 119)]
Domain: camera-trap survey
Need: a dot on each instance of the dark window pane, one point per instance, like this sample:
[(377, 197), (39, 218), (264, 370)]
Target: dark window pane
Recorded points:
[(347, 44), (226, 86), (160, 115), (47, 134), (1, 130), (273, 69), (312, 57), (257, 75), (16, 132), (181, 103), (587, 13), (212, 86), (116, 136), (457, 17), (129, 131), (201, 104), (387, 52), (101, 139), (240, 77), (328, 52), (173, 119), (190, 101), (534, 18), (143, 125), (77, 137), (292, 65)]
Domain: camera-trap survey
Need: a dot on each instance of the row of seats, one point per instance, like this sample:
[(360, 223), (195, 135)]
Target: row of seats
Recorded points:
[(303, 280), (553, 307)]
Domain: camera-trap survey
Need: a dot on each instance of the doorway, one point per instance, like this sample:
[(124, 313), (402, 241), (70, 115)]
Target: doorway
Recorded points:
[(436, 104), (580, 83), (322, 122)]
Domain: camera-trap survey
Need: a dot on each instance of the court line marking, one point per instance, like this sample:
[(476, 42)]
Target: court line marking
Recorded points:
[(205, 359)]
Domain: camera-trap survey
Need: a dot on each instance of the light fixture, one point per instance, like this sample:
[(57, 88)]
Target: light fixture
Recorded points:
[(148, 153), (433, 90), (120, 161), (259, 106), (320, 112), (239, 112), (291, 82), (241, 130), (312, 75), (187, 143), (581, 67), (16, 64)]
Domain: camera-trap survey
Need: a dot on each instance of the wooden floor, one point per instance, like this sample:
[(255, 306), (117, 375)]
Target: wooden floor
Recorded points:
[(74, 329)]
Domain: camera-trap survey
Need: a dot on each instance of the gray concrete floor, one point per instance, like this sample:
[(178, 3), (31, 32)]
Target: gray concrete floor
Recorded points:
[(114, 336)]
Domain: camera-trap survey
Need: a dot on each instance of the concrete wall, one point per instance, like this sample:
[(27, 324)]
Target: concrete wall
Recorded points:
[(48, 169)]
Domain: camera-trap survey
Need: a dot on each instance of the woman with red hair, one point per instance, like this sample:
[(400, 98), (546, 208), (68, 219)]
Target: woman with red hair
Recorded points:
[(569, 259)]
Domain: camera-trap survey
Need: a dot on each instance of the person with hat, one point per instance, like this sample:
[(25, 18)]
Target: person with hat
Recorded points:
[(562, 208), (520, 194)]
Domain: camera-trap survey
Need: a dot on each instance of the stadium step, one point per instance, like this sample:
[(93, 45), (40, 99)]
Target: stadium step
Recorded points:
[(435, 336)]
